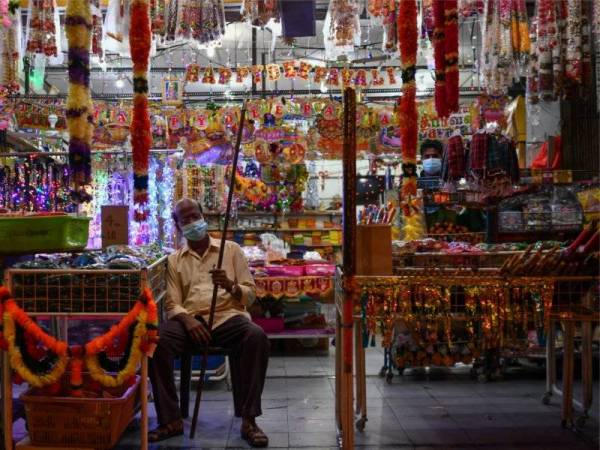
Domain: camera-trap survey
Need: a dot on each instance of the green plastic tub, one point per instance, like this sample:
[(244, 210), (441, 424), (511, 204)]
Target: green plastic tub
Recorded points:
[(35, 234)]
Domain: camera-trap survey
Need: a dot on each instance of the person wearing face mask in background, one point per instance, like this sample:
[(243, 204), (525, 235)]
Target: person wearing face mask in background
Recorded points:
[(191, 276), (431, 159)]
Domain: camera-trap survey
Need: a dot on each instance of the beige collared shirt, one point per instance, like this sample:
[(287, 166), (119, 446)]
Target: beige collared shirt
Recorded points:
[(190, 287)]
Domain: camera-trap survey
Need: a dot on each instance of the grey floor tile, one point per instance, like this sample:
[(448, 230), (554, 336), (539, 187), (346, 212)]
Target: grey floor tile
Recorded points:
[(387, 438), (312, 439), (404, 411), (310, 414), (476, 421), (428, 423), (312, 425), (450, 438)]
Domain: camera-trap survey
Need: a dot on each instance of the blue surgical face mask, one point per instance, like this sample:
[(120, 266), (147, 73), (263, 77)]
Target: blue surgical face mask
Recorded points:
[(195, 231), (432, 165)]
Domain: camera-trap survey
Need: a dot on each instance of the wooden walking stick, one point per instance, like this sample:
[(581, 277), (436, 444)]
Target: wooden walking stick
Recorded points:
[(213, 303)]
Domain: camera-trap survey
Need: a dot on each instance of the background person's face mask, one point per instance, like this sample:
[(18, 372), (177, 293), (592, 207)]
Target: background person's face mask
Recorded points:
[(432, 165), (195, 231)]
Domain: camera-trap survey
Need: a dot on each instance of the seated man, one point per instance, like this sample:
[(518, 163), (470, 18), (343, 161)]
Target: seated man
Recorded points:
[(191, 275)]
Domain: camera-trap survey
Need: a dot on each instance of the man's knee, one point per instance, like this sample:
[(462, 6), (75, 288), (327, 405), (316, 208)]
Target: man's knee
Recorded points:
[(257, 336)]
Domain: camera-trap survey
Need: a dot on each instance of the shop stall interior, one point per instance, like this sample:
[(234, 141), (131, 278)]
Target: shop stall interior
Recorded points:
[(416, 196)]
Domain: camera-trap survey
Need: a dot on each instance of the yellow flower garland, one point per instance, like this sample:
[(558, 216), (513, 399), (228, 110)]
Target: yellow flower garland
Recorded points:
[(16, 359), (101, 376)]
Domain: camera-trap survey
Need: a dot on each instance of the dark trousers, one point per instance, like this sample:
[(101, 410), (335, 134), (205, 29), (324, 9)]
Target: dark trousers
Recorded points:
[(248, 359)]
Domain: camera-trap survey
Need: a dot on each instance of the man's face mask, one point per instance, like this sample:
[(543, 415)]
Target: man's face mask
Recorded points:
[(432, 165), (195, 231)]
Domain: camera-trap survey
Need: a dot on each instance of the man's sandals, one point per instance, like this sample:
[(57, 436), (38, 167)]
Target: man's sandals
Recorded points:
[(163, 432), (254, 436)]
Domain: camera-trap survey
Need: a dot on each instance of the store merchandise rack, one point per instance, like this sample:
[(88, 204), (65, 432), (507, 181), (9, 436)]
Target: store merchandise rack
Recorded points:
[(81, 294), (84, 291)]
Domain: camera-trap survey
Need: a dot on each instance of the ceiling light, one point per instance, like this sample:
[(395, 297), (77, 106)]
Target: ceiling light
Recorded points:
[(210, 52), (323, 87), (120, 83)]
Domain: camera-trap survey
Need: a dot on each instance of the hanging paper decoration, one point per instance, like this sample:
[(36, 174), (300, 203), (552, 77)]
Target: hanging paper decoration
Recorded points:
[(505, 45), (209, 76), (241, 73), (140, 129), (274, 72), (341, 30), (42, 30), (320, 74), (560, 52), (451, 53), (304, 70), (4, 14), (96, 29), (10, 58), (158, 17), (257, 72), (333, 78), (192, 73), (78, 25), (439, 49), (202, 22), (376, 78), (407, 38), (347, 77), (289, 69), (259, 12), (224, 75), (361, 78), (391, 75)]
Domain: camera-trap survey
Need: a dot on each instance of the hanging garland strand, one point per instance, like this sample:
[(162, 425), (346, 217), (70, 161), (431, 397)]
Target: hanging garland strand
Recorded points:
[(407, 37), (18, 329), (78, 26), (141, 135), (451, 53), (441, 107)]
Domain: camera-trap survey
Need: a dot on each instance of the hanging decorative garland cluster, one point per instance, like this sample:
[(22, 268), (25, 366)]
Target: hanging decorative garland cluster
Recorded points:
[(445, 53), (41, 360), (140, 129), (78, 26), (407, 38)]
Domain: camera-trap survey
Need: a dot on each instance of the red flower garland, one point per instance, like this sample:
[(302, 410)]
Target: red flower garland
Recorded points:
[(451, 53), (439, 50), (141, 135), (407, 38)]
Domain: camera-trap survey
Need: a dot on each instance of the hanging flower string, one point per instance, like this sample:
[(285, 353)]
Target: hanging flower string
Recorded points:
[(451, 53), (78, 26), (407, 37), (41, 360), (141, 134), (441, 106)]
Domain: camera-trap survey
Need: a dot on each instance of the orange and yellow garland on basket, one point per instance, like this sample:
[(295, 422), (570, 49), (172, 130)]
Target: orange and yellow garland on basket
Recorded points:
[(141, 135), (17, 327)]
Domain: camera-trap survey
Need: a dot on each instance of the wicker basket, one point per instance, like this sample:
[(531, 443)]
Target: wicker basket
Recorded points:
[(79, 422)]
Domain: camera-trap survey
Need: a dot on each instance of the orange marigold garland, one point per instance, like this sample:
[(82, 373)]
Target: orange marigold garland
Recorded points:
[(407, 38), (140, 130), (144, 315)]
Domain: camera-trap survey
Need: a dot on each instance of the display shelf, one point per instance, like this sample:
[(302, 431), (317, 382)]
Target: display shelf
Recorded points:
[(277, 230), (315, 245), (276, 214), (304, 333)]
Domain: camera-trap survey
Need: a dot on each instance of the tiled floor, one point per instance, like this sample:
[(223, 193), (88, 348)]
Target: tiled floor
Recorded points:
[(443, 411)]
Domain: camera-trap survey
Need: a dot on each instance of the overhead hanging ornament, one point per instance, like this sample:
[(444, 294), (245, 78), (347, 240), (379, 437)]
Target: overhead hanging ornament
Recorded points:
[(257, 73), (320, 74), (274, 72), (451, 53), (209, 76), (289, 69), (304, 70), (241, 73), (192, 73), (376, 78), (347, 79), (140, 129), (391, 75), (78, 25), (42, 29), (224, 75)]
